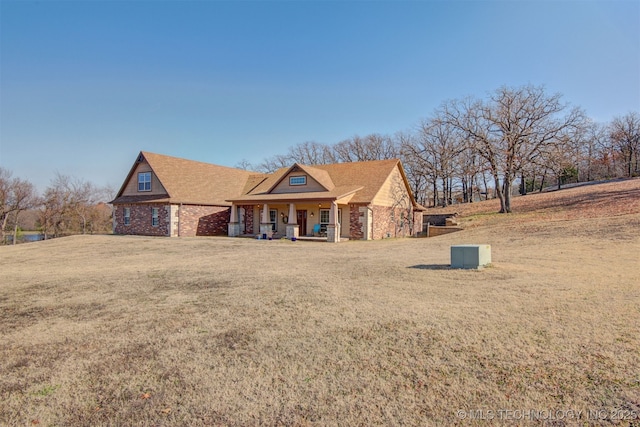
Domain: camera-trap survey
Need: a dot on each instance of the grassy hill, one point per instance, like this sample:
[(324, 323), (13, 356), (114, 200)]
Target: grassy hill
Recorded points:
[(115, 330), (588, 200)]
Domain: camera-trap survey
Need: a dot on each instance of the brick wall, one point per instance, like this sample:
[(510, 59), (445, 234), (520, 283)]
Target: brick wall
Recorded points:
[(140, 220), (198, 220), (356, 226), (194, 220), (248, 209)]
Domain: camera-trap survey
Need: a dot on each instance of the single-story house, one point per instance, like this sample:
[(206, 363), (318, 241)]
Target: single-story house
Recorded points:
[(167, 196)]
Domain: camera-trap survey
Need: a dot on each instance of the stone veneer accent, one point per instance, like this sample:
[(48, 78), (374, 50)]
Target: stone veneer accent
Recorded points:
[(417, 223), (387, 222), (384, 222)]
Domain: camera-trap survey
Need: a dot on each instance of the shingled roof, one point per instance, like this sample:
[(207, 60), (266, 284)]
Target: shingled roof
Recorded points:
[(271, 181), (198, 183), (365, 179), (370, 175), (188, 181)]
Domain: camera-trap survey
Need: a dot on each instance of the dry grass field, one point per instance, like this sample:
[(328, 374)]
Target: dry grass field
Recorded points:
[(137, 331)]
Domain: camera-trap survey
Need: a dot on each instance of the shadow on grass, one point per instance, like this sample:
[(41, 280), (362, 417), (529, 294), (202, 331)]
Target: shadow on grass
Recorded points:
[(431, 266)]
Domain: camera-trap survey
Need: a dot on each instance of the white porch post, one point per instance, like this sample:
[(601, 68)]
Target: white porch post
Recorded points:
[(265, 225), (234, 226), (293, 229), (333, 228), (234, 213)]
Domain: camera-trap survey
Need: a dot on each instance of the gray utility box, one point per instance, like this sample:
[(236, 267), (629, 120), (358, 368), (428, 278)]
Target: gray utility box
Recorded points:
[(470, 256)]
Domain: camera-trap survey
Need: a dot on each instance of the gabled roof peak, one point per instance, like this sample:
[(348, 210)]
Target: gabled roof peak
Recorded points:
[(190, 181), (319, 175)]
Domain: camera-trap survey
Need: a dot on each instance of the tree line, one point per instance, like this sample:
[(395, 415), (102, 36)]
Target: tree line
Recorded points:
[(67, 206), (478, 148)]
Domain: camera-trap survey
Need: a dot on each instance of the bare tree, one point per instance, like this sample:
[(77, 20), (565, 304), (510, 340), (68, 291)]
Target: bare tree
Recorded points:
[(306, 153), (71, 205), (274, 163), (82, 200), (561, 160), (5, 200), (468, 165), (312, 153), (24, 197), (371, 147), (402, 213), (416, 175), (16, 196), (512, 130), (355, 149), (55, 218), (625, 137), (436, 148), (244, 164), (423, 161), (590, 151)]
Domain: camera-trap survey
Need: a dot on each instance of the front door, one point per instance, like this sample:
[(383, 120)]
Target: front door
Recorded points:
[(302, 222)]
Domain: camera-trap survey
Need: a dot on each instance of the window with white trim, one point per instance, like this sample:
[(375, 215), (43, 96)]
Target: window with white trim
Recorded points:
[(273, 219), (144, 181), (154, 217), (298, 180), (324, 218), (127, 216)]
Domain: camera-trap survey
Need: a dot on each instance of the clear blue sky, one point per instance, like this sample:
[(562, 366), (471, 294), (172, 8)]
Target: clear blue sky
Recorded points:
[(86, 85)]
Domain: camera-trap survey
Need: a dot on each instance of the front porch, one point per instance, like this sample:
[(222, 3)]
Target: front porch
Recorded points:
[(299, 239), (314, 220)]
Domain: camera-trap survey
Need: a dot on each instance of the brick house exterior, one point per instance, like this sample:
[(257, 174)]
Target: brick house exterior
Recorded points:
[(188, 197), (187, 220), (140, 219), (168, 196), (356, 201)]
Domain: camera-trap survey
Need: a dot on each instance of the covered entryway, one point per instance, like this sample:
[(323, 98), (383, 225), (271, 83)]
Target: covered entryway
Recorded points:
[(302, 221)]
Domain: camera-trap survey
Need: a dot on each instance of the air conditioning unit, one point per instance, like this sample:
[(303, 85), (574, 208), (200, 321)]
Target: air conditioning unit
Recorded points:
[(470, 256)]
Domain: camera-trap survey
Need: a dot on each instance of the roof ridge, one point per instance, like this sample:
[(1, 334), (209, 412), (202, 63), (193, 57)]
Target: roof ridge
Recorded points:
[(145, 153)]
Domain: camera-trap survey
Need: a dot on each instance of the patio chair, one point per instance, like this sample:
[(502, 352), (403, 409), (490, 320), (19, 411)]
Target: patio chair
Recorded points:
[(316, 230)]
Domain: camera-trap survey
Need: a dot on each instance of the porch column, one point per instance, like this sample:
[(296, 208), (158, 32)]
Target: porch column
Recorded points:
[(293, 229), (234, 225), (366, 216), (265, 225), (333, 228)]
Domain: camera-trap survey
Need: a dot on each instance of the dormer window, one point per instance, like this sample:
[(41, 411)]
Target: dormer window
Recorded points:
[(144, 181), (298, 180)]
